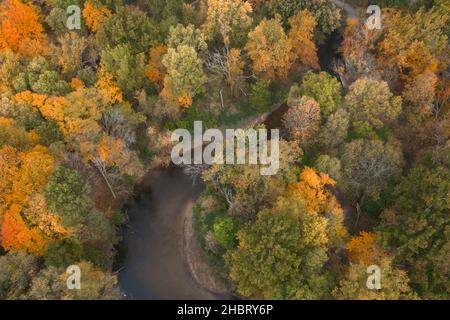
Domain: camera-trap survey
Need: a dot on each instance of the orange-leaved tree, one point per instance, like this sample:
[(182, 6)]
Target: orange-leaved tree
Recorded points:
[(312, 188), (363, 249), (21, 29), (16, 235), (94, 15), (301, 36), (155, 69)]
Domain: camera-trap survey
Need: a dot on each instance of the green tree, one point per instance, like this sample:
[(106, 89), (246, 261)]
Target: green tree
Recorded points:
[(329, 165), (282, 254), (68, 195), (323, 88), (185, 77), (98, 238), (362, 130), (127, 68), (50, 283), (49, 132), (417, 227), (51, 83), (128, 25), (189, 36), (260, 96), (13, 135), (224, 231), (372, 101), (228, 18)]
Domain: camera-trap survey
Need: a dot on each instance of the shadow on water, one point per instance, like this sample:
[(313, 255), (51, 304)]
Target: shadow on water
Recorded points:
[(152, 262)]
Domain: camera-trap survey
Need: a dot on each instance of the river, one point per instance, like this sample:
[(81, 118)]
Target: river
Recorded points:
[(154, 265)]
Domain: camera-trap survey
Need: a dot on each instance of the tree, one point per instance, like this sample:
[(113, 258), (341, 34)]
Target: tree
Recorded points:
[(128, 69), (46, 285), (282, 254), (302, 121), (70, 52), (364, 250), (270, 50), (413, 41), (311, 188), (372, 101), (228, 64), (41, 77), (188, 36), (13, 135), (128, 26), (9, 68), (34, 167), (335, 130), (323, 88), (394, 284), (361, 130), (228, 18), (50, 283), (107, 88), (245, 191), (329, 165), (260, 97), (94, 15), (326, 13), (50, 83), (184, 78), (416, 228), (96, 284), (98, 238), (314, 189), (37, 214), (419, 95), (301, 34), (369, 166), (355, 42), (224, 231), (9, 166), (17, 270), (21, 29), (155, 69), (67, 195), (16, 236)]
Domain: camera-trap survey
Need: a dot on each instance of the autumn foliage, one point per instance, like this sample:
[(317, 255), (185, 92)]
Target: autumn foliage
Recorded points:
[(16, 235), (363, 249), (21, 28), (94, 15)]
